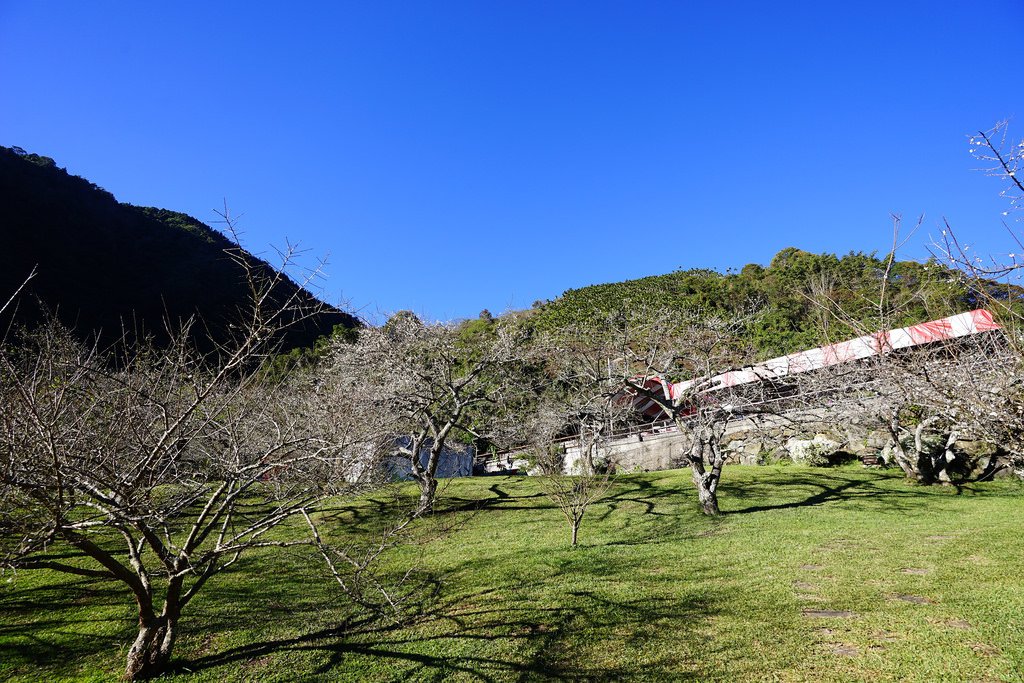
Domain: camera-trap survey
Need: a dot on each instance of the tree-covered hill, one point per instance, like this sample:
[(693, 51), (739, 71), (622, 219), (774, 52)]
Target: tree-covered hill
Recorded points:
[(793, 296), (104, 266)]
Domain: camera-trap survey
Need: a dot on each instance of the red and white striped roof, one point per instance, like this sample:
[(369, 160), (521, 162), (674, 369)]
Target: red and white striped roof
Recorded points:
[(961, 325)]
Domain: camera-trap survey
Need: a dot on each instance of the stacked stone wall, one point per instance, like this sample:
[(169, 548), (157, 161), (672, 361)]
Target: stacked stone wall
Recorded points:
[(821, 436)]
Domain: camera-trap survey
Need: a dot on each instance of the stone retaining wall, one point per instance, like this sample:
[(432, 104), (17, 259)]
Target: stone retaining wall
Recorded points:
[(815, 437)]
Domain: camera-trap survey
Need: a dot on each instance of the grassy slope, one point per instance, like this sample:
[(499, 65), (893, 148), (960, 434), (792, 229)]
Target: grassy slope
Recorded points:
[(655, 592)]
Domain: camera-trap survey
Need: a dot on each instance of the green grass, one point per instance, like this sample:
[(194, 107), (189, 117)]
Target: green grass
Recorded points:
[(654, 592)]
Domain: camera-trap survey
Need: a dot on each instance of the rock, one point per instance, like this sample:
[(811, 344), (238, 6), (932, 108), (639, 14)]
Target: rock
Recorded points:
[(981, 459), (861, 442), (748, 459), (755, 447), (976, 449), (817, 452), (886, 455)]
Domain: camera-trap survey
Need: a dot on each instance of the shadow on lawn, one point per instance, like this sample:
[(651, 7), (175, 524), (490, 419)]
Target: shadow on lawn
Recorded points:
[(554, 637), (557, 639), (47, 624), (818, 488), (518, 639), (645, 494), (369, 511), (568, 624), (663, 498), (642, 492), (501, 500)]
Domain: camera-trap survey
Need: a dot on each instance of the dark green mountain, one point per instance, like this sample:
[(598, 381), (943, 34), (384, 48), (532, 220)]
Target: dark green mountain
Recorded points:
[(103, 266)]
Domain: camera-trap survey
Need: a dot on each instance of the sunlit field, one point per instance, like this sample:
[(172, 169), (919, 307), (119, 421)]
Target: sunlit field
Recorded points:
[(811, 574)]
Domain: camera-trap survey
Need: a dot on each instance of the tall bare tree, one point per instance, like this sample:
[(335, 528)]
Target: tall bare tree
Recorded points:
[(582, 396), (156, 468), (985, 391), (428, 383), (669, 360), (932, 396)]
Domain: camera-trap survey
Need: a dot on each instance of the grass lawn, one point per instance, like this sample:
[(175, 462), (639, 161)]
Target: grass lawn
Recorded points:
[(811, 574)]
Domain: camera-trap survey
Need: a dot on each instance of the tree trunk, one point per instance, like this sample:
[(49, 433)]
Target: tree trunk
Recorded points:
[(427, 476), (428, 491), (151, 651), (588, 458), (707, 493), (910, 469), (706, 482), (590, 449), (576, 530), (923, 461), (946, 460)]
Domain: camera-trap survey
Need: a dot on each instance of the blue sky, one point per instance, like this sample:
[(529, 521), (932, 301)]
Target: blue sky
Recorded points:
[(456, 156)]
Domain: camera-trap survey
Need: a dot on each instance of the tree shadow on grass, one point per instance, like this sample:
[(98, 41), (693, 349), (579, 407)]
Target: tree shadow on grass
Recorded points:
[(60, 624), (500, 500), (368, 511), (551, 639), (547, 635), (430, 646), (816, 489), (643, 493), (555, 626)]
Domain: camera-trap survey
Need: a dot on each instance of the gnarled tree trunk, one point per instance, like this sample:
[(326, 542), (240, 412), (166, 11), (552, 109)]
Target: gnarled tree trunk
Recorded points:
[(428, 492), (704, 479), (151, 651), (946, 459), (910, 465), (707, 493), (918, 465)]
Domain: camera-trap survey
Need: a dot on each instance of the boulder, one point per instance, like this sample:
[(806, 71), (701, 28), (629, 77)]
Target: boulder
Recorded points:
[(820, 451)]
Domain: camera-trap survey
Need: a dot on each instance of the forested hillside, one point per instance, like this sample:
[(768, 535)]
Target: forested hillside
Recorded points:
[(791, 297), (105, 266)]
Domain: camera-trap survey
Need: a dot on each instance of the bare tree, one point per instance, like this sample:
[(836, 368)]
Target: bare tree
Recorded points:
[(920, 395), (669, 360), (926, 399), (429, 384), (991, 403), (156, 468), (356, 565), (992, 279), (583, 395), (1002, 157), (580, 405), (14, 295), (574, 494), (971, 390)]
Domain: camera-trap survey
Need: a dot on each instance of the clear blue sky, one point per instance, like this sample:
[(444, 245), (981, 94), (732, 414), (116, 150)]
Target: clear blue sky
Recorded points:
[(455, 156)]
